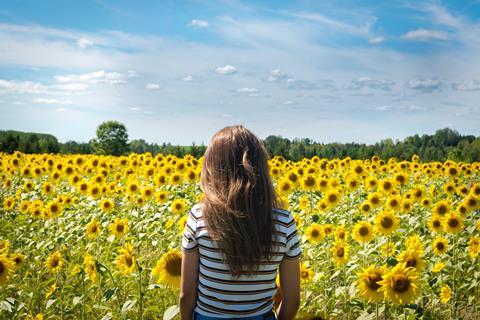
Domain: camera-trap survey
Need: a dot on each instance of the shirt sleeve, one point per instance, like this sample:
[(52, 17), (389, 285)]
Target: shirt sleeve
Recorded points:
[(189, 240), (293, 249)]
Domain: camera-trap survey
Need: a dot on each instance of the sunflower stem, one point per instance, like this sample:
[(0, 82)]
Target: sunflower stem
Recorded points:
[(140, 293)]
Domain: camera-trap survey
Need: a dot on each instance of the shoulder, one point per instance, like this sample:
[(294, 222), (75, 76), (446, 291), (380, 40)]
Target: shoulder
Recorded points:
[(282, 215), (196, 212)]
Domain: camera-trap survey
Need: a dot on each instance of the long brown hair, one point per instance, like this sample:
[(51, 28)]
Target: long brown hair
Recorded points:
[(239, 198)]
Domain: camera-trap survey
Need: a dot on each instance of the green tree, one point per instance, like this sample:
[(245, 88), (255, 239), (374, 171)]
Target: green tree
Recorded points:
[(112, 139)]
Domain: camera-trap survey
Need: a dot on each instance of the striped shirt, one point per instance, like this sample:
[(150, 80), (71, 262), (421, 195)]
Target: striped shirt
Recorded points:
[(221, 295)]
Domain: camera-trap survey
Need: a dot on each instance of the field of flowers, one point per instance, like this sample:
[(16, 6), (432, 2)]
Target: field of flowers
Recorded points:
[(98, 237)]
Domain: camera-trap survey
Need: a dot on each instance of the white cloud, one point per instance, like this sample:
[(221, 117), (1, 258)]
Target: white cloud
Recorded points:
[(276, 75), (365, 82), (7, 86), (72, 87), (376, 40), (425, 85), (187, 78), (227, 69), (84, 43), (337, 24), (97, 77), (134, 109), (18, 103), (247, 90), (152, 86), (383, 108), (198, 23), (425, 35), (61, 110), (473, 85), (51, 101)]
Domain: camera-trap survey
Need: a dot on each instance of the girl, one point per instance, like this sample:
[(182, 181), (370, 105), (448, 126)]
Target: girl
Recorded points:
[(236, 239)]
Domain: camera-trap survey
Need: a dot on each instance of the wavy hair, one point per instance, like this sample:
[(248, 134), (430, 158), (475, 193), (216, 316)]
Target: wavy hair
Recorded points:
[(239, 198)]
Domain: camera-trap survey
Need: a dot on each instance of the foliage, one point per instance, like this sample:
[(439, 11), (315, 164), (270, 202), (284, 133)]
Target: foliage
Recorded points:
[(112, 139)]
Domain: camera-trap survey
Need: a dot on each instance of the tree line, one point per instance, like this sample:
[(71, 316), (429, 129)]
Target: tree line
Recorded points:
[(112, 138)]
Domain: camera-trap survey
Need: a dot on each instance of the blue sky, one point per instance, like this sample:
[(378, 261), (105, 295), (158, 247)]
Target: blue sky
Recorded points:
[(177, 71)]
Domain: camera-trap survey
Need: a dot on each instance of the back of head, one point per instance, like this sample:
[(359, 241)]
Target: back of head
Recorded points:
[(239, 197)]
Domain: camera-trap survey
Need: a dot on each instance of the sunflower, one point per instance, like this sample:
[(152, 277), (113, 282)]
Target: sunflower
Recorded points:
[(107, 205), (50, 291), (386, 222), (445, 294), (435, 223), (414, 242), (441, 208), (55, 262), (315, 233), (47, 189), (340, 253), (412, 259), (394, 203), (119, 227), (308, 183), (90, 268), (132, 187), (386, 185), (125, 261), (168, 268), (452, 222), (285, 186), (176, 179), (306, 273), (365, 207), (95, 191), (400, 284), (332, 198), (6, 268), (375, 199), (93, 229), (363, 232), (341, 234), (161, 196), (368, 283), (437, 267), (323, 184), (9, 203), (473, 247), (440, 246), (388, 249), (371, 182), (178, 206), (18, 259)]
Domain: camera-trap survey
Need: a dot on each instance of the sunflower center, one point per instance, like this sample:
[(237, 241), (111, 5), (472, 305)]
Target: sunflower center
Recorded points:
[(332, 198), (340, 252), (442, 210), (94, 229), (2, 267), (315, 233), (178, 206), (309, 182), (386, 222), (128, 260), (174, 265), (106, 204), (401, 283), (453, 223), (304, 274), (411, 262), (394, 203), (17, 261), (54, 262), (436, 224), (375, 200), (120, 227), (372, 281), (440, 246), (363, 231)]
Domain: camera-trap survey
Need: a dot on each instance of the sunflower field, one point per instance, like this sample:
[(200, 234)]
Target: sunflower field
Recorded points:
[(98, 237)]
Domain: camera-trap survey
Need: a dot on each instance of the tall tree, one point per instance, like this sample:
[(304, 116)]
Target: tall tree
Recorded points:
[(112, 139)]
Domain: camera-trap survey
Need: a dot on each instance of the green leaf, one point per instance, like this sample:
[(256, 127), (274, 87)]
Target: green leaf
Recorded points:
[(49, 303), (128, 305), (109, 293), (77, 300), (171, 312)]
